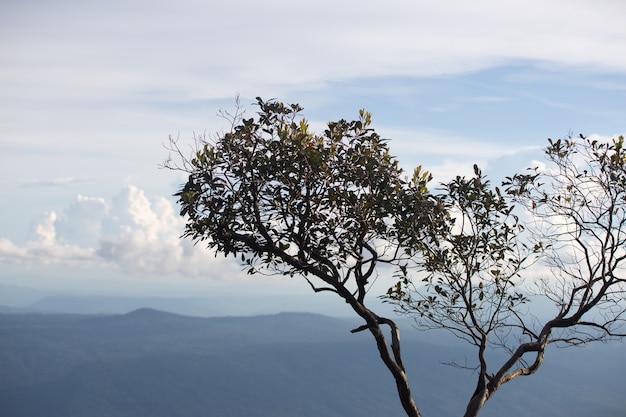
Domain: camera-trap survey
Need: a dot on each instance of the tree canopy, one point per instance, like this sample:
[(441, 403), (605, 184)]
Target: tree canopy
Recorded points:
[(476, 279), (332, 208), (327, 208)]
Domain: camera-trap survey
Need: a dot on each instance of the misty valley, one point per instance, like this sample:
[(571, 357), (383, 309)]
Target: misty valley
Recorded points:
[(152, 363)]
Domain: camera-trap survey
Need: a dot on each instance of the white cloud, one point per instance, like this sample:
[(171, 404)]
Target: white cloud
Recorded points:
[(82, 222), (46, 253), (194, 50), (132, 232), (447, 155), (142, 235), (53, 182), (43, 231), (43, 248), (88, 84), (484, 99)]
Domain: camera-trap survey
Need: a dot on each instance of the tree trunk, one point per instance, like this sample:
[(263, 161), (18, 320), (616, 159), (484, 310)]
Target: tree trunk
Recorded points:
[(476, 403), (393, 362), (399, 375)]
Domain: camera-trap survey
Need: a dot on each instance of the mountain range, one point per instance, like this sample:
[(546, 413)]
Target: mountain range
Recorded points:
[(152, 363)]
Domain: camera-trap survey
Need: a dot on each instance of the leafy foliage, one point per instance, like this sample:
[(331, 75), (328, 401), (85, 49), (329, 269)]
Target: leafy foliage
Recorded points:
[(328, 207), (473, 284), (332, 207), (579, 207), (286, 200), (472, 265)]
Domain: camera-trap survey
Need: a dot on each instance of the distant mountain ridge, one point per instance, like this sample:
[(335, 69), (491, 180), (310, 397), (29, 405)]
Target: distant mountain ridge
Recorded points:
[(105, 304), (152, 363), (23, 299)]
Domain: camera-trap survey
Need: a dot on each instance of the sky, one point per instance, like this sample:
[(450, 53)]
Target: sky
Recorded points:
[(91, 91)]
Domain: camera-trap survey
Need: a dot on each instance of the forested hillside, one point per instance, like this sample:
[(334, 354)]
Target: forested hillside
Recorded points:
[(150, 363)]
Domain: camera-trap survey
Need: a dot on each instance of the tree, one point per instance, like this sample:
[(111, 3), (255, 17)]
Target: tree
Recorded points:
[(471, 270), (284, 200), (333, 209), (475, 268)]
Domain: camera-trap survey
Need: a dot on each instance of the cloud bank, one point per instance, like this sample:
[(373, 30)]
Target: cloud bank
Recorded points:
[(130, 231)]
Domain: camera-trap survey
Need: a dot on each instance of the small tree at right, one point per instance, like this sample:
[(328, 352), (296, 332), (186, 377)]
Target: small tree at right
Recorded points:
[(477, 277)]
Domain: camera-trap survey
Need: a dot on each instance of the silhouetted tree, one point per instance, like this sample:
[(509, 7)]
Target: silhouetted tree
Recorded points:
[(284, 200), (474, 282), (332, 208)]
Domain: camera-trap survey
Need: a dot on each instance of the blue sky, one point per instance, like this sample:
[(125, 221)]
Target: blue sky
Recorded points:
[(90, 91)]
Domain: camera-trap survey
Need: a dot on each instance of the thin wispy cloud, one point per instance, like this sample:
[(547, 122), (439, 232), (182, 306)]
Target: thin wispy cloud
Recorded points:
[(53, 182), (117, 50), (483, 99)]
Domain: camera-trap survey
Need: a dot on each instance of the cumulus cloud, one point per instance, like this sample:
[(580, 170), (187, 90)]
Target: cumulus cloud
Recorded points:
[(130, 231), (43, 231), (43, 247), (144, 235)]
